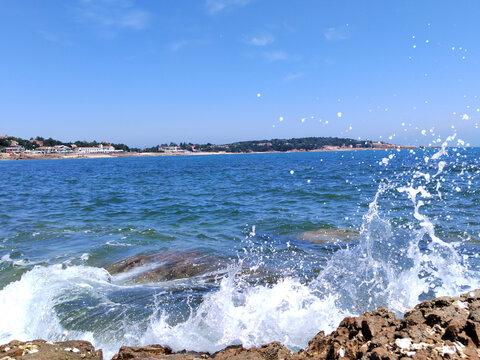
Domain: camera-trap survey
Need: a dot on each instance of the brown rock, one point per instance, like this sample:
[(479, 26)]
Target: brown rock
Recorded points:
[(475, 315), (272, 351), (141, 352), (454, 329), (167, 265), (380, 353), (471, 296), (472, 329), (42, 350), (318, 343)]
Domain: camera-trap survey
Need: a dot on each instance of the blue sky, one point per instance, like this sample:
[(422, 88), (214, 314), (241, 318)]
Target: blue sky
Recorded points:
[(147, 72)]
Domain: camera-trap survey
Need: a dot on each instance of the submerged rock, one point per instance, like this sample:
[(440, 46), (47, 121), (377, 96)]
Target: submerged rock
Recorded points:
[(42, 350), (166, 265), (329, 235)]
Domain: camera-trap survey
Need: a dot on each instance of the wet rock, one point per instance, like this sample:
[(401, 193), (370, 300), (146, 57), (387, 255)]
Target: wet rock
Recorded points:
[(329, 235), (472, 330), (166, 265), (380, 353), (155, 352), (272, 351), (442, 328), (41, 350)]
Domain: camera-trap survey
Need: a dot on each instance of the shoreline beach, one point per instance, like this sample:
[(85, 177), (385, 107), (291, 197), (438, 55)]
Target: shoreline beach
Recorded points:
[(23, 156)]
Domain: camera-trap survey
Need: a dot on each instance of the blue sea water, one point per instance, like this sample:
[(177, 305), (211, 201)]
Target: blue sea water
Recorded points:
[(298, 241)]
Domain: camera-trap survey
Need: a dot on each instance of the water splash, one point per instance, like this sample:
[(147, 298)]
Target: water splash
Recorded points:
[(391, 266), (237, 313)]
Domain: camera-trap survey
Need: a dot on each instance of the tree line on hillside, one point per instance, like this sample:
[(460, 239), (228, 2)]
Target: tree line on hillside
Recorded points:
[(281, 145), (307, 143), (32, 145)]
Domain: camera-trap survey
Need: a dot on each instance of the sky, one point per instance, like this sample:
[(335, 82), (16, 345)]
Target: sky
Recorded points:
[(149, 72)]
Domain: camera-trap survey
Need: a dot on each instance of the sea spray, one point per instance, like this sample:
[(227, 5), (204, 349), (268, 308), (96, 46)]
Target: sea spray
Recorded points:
[(27, 306), (60, 302), (393, 267), (288, 311)]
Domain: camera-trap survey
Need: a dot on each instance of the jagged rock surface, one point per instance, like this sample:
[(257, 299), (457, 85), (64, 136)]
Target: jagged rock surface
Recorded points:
[(272, 351), (43, 350), (442, 328)]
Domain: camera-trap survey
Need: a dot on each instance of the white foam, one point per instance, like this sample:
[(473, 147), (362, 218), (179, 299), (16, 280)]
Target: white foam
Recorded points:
[(27, 306), (117, 243), (289, 311), (19, 262)]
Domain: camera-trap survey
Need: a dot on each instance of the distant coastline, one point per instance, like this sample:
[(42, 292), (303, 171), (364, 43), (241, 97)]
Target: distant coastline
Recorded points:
[(14, 148), (13, 156)]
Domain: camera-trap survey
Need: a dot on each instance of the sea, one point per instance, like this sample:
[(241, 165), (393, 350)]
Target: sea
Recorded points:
[(202, 252)]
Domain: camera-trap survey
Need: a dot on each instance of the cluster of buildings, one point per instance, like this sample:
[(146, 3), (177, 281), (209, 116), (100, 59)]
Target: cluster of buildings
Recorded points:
[(63, 149), (15, 147), (174, 149)]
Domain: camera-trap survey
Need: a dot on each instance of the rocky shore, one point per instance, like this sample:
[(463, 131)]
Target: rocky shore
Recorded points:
[(442, 328)]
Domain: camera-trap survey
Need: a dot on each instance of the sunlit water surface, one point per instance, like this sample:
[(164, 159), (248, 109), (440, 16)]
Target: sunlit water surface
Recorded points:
[(411, 218)]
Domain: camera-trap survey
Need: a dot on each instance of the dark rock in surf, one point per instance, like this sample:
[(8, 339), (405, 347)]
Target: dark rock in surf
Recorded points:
[(167, 265), (42, 350)]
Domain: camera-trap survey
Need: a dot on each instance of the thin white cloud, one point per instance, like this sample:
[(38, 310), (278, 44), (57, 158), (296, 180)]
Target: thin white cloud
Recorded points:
[(181, 44), (135, 19), (335, 34), (178, 45), (55, 37), (217, 6), (112, 15), (275, 55), (262, 40), (294, 76)]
